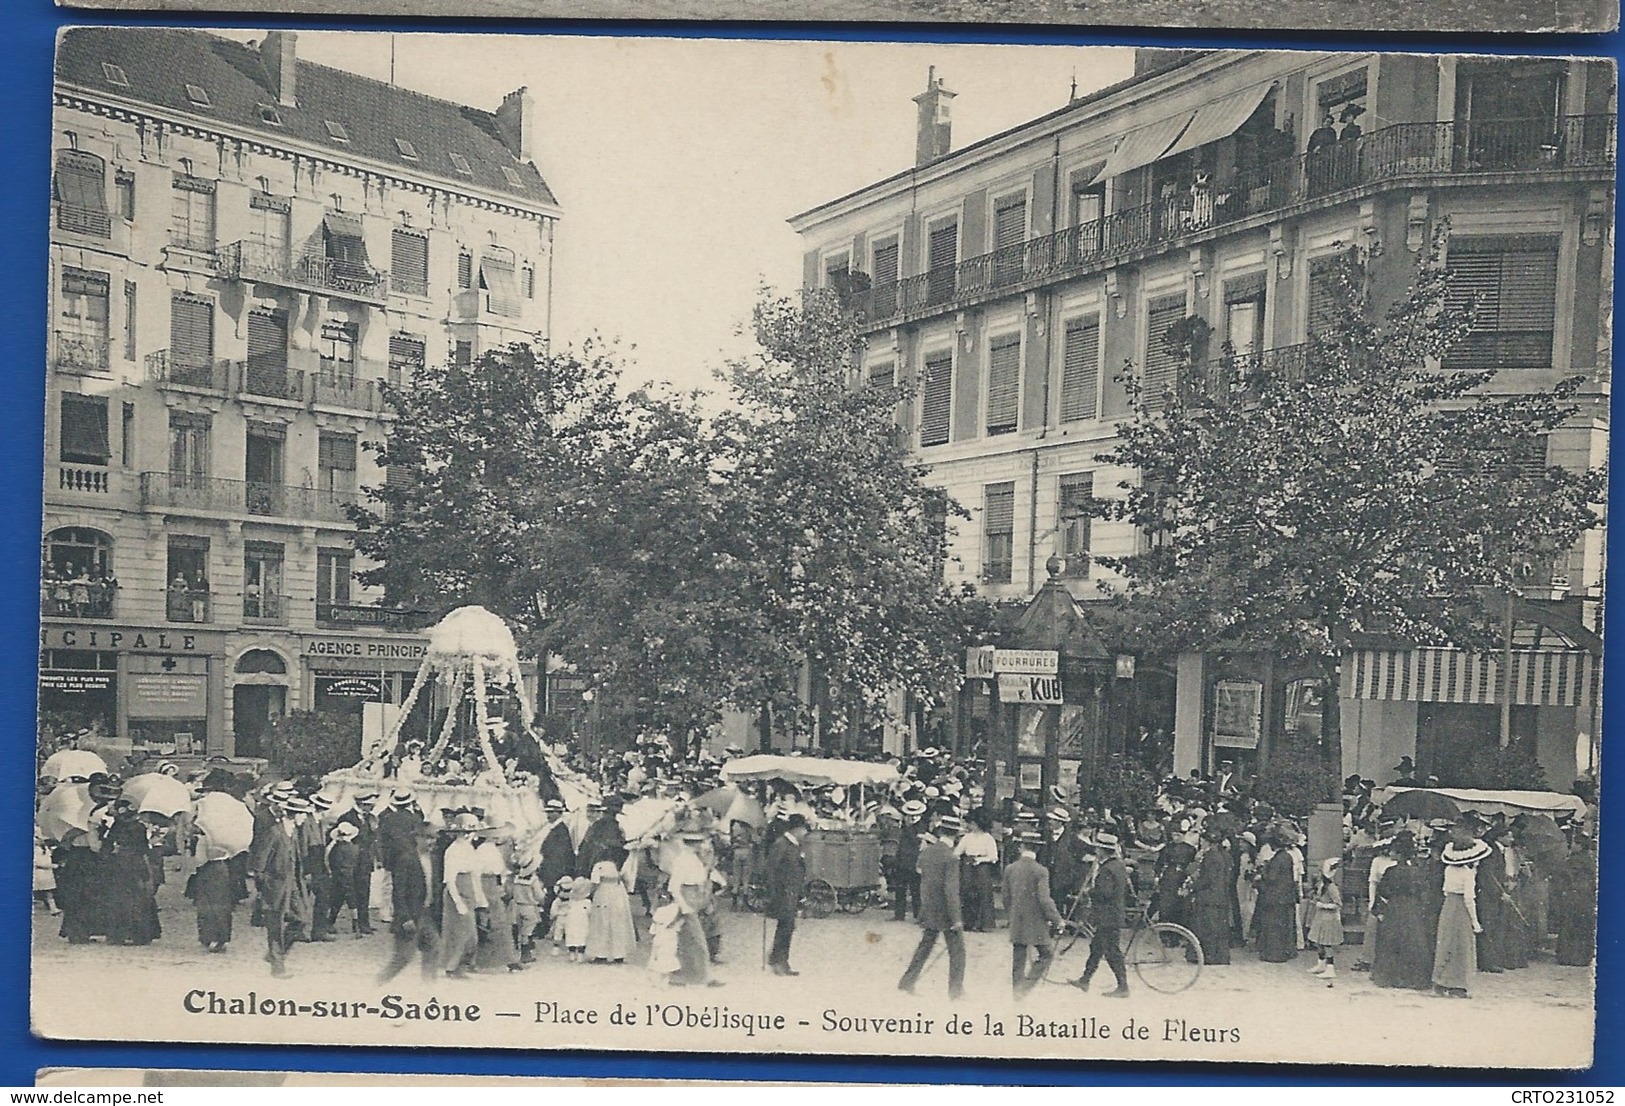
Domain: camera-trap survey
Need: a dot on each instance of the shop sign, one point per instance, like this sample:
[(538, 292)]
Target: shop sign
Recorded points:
[(1029, 689), (1036, 662), (367, 649), (123, 639), (368, 686), (168, 695), (979, 662), (1032, 775), (76, 683)]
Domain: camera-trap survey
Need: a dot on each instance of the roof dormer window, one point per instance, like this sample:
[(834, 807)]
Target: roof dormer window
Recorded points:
[(198, 95), (513, 176), (115, 74), (336, 131), (460, 163), (408, 151), (270, 115)]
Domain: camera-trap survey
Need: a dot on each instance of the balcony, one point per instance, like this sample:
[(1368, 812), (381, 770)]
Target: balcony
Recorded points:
[(83, 220), (1404, 152), (265, 610), (209, 376), (254, 261), (338, 384), (191, 250), (216, 496), (269, 378), (79, 353), (350, 615), (408, 285), (183, 604), (78, 598), (84, 479), (1231, 378)]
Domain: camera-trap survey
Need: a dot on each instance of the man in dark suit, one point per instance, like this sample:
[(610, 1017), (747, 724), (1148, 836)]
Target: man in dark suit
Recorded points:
[(1033, 914), (558, 854), (283, 899), (786, 878), (939, 907), (1108, 909), (906, 864), (364, 818)]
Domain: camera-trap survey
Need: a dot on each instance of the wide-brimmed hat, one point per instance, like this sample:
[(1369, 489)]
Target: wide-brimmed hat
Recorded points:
[(930, 752), (950, 823), (464, 822), (1104, 840), (554, 806), (1059, 815), (345, 831), (297, 805), (1057, 793), (1465, 854), (1030, 837), (324, 802), (1329, 865), (400, 797), (914, 808)]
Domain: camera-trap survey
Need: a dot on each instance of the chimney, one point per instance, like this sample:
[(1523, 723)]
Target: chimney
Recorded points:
[(281, 64), (516, 123), (933, 139)]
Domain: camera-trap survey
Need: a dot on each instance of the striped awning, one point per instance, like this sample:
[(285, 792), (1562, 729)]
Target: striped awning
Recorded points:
[(1540, 677)]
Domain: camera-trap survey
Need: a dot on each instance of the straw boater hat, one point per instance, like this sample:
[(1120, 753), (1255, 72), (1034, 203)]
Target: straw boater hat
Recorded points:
[(324, 802), (1057, 793), (345, 831), (464, 822), (554, 806), (950, 823), (400, 798), (1059, 815), (1465, 854), (914, 808), (1104, 840), (296, 805)]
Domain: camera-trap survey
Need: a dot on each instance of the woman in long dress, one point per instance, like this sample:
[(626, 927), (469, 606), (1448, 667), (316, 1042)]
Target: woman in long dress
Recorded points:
[(610, 935), (1211, 890), (213, 891), (1455, 956), (132, 905), (1276, 914), (1574, 905), (1403, 952)]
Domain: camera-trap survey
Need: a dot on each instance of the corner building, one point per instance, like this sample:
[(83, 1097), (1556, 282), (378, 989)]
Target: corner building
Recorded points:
[(1011, 281), (244, 246)]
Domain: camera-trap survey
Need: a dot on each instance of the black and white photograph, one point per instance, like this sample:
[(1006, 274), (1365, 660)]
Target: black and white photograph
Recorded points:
[(1010, 551)]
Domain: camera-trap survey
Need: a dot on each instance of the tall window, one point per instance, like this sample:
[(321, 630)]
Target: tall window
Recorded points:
[(333, 571), (1088, 210), (124, 193), (941, 256), (346, 246), (1162, 361), (936, 520), (82, 322), (186, 594), (335, 463), (998, 531), (263, 450), (1244, 314), (406, 354), (1076, 496), (336, 346), (191, 224), (462, 354), (837, 270), (268, 354), (1080, 369), (188, 449), (1009, 236), (191, 338), (1325, 272), (262, 580), (270, 227), (936, 399), (497, 278), (79, 188), (129, 320), (83, 439), (465, 269), (1510, 282), (409, 261), (127, 435), (884, 276), (1004, 384)]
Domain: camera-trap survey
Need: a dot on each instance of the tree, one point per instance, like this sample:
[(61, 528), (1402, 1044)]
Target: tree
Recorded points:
[(312, 743), (1296, 502), (835, 541)]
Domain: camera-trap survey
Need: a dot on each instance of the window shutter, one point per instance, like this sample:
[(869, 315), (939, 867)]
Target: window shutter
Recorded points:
[(943, 249), (1003, 385), (1161, 365), (336, 451), (885, 262), (1244, 289), (1080, 371), (465, 270), (1322, 313), (1513, 282), (882, 375), (85, 438), (81, 181), (191, 330), (496, 274), (1000, 514), (409, 261), (1010, 223), (936, 400)]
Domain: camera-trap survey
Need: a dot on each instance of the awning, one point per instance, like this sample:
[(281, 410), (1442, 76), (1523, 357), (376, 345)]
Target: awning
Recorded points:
[(1220, 119), (1510, 803), (344, 240), (1144, 145), (811, 771), (1540, 677)]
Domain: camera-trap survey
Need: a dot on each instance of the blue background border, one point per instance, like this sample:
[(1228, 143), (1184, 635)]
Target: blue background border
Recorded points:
[(29, 28)]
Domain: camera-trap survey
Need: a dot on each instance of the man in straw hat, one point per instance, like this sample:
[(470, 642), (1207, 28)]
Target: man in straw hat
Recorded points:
[(1455, 951), (786, 879), (464, 895), (1108, 909), (940, 911), (1033, 914), (284, 904), (906, 864), (558, 853)]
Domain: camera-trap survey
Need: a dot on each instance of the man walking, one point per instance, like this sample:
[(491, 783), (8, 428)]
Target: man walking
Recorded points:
[(939, 907), (283, 899), (1108, 905), (558, 854), (786, 879), (1033, 914), (906, 864)]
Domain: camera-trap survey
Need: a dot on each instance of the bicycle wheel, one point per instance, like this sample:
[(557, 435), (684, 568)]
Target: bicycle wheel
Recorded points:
[(853, 900), (820, 898), (1165, 957), (1071, 954)]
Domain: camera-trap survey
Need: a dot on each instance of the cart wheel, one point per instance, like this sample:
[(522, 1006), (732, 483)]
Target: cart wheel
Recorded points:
[(754, 898), (1071, 953), (820, 898), (853, 901), (1166, 957)]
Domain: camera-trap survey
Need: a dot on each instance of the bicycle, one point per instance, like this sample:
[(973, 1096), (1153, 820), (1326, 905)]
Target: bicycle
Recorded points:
[(1165, 956)]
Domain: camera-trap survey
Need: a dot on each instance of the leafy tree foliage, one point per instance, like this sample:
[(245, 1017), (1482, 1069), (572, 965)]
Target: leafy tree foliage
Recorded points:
[(1296, 503), (313, 743)]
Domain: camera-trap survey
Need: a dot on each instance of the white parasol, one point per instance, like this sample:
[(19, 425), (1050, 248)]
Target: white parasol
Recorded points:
[(811, 771), (156, 793), (226, 825), (68, 764), (65, 810)]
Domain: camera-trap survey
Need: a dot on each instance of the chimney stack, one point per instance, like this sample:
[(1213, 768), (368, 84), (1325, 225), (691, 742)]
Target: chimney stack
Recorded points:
[(516, 123), (934, 137), (281, 63)]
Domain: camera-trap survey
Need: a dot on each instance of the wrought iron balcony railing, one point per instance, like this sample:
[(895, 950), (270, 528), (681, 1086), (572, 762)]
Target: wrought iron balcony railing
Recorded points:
[(84, 220), (183, 492), (78, 598), (79, 353), (264, 608), (256, 261), (188, 605), (1401, 152), (208, 375)]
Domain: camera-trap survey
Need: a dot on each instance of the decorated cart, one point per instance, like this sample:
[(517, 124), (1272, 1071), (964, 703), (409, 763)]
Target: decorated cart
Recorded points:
[(843, 859)]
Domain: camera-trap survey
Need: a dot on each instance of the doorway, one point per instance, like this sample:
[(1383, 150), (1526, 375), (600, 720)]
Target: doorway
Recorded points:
[(253, 708)]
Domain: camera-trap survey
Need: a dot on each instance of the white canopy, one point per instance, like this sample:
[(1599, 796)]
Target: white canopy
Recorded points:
[(814, 771), (1509, 803)]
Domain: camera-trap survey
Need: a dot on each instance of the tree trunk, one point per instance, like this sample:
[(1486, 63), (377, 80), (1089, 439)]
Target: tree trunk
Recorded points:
[(1331, 722), (764, 727)]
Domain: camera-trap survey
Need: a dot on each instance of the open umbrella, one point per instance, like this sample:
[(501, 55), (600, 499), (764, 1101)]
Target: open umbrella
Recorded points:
[(65, 810), (226, 824), (717, 801), (1422, 804), (67, 764), (156, 793), (1541, 839)]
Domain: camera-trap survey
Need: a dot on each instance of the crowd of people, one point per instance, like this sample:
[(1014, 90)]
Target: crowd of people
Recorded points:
[(465, 891)]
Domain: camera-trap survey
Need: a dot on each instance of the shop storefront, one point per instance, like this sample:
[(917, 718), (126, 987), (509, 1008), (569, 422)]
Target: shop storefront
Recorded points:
[(366, 679)]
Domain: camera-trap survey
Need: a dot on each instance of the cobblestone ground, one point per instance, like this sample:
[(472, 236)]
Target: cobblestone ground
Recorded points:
[(849, 964), (1435, 15)]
